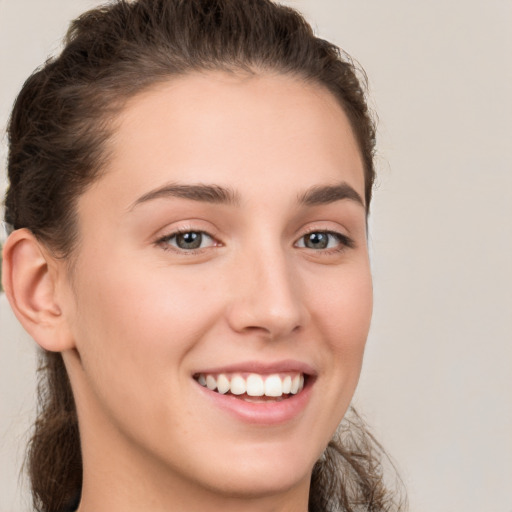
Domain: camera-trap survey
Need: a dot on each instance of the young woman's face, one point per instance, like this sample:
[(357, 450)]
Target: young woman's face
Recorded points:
[(225, 246)]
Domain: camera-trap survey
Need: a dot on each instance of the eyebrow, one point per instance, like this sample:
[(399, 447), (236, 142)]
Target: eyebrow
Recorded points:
[(204, 193), (329, 194), (217, 194)]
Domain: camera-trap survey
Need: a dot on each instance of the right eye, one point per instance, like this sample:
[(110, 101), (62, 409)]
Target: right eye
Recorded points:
[(187, 241)]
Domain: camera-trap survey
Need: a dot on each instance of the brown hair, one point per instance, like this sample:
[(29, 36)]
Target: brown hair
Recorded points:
[(58, 135)]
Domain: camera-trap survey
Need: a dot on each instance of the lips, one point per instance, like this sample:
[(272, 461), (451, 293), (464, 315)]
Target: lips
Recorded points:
[(259, 393), (274, 385)]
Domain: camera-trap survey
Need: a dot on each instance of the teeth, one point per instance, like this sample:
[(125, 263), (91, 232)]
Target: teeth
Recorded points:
[(222, 384), (254, 385), (287, 385), (211, 383), (273, 386), (295, 385), (238, 386)]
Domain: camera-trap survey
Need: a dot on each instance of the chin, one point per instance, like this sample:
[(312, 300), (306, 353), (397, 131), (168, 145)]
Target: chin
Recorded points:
[(258, 476), (253, 485)]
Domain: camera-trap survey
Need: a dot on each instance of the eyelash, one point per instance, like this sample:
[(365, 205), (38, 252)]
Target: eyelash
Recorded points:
[(344, 241), (166, 246)]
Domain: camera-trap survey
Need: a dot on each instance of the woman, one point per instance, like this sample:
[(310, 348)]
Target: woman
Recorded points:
[(189, 187)]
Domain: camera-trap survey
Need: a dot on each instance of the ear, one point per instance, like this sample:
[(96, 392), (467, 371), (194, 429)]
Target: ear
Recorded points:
[(30, 275)]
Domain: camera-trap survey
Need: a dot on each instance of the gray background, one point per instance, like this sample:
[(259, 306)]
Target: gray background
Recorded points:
[(436, 384)]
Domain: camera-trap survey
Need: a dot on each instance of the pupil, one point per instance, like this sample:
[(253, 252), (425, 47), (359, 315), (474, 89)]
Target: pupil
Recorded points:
[(191, 240), (317, 240)]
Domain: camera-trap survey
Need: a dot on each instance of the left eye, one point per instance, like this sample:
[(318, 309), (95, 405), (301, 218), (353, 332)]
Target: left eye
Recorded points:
[(189, 240), (322, 240)]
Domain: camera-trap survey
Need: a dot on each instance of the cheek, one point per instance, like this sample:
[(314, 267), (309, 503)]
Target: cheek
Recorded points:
[(344, 307), (133, 330), (136, 326), (343, 311), (132, 304)]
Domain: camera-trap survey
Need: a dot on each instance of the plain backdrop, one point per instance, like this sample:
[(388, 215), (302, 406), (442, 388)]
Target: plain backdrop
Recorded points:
[(436, 384)]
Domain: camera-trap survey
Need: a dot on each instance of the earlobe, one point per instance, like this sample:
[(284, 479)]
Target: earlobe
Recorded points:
[(29, 276)]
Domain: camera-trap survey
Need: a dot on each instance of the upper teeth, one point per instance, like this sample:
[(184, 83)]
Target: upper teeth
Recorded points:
[(274, 385)]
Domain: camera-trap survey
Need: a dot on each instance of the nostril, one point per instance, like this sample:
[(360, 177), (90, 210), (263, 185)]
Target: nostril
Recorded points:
[(272, 331)]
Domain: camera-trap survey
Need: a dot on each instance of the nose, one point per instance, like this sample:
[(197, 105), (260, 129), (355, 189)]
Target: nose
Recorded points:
[(266, 296)]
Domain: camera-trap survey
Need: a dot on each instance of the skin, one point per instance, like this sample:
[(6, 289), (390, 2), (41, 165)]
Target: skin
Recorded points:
[(139, 316)]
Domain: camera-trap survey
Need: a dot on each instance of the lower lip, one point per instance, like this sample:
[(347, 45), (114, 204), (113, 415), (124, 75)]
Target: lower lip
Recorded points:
[(262, 413)]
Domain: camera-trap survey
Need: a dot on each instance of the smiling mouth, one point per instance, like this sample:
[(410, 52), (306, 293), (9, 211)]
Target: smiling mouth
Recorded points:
[(254, 387)]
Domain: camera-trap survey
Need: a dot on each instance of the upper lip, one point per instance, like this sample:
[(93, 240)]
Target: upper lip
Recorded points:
[(263, 368)]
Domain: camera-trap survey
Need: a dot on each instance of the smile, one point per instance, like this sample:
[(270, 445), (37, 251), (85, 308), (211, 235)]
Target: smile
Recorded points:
[(254, 387)]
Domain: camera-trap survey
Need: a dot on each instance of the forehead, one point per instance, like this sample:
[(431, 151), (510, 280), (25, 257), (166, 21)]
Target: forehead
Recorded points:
[(235, 130)]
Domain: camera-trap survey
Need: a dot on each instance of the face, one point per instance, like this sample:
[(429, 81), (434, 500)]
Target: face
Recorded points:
[(221, 295)]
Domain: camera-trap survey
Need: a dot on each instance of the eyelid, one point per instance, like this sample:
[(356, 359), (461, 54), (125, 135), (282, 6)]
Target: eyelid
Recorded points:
[(344, 240), (162, 240)]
